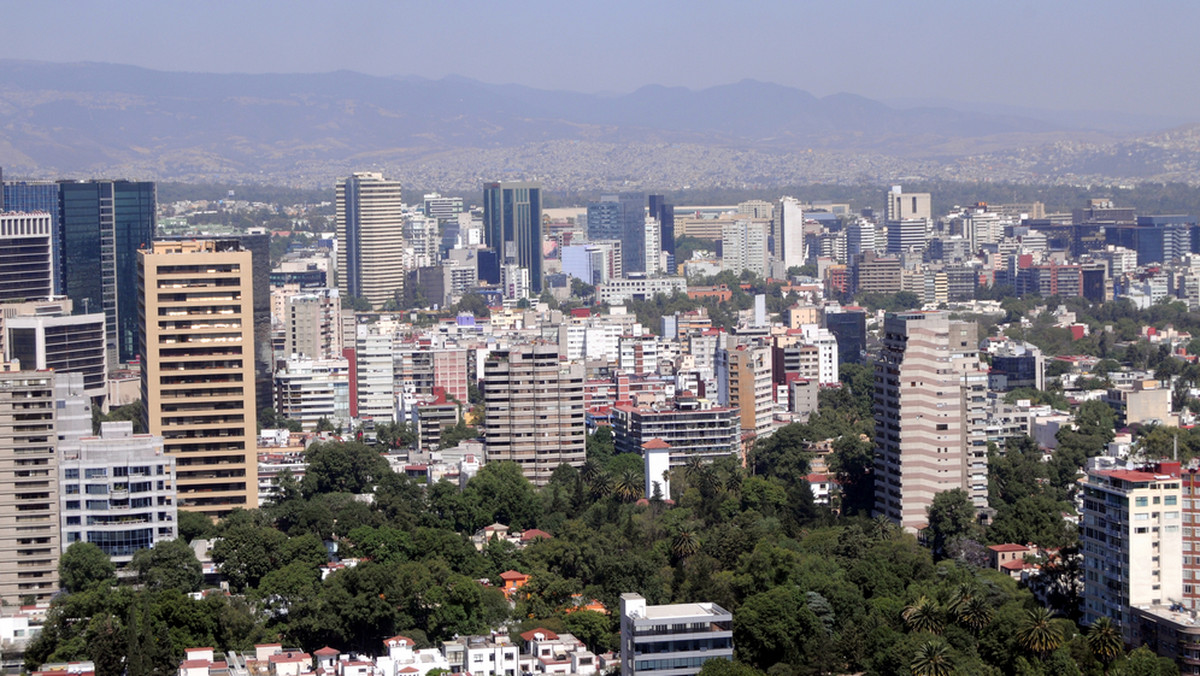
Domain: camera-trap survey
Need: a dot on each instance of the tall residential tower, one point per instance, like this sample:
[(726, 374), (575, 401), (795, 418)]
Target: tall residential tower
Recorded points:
[(370, 232)]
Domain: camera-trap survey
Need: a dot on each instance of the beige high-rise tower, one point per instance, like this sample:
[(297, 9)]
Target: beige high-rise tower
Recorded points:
[(370, 233), (930, 394), (29, 526), (197, 342)]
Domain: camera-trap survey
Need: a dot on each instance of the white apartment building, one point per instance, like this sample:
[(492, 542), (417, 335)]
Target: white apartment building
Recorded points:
[(827, 352), (1132, 542), (672, 640), (307, 390), (375, 377), (118, 491)]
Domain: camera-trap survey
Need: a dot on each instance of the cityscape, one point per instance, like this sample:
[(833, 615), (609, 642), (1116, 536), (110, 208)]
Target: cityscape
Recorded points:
[(375, 372)]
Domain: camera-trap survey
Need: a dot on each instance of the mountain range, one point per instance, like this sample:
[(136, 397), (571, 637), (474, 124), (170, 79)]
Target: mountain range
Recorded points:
[(93, 119)]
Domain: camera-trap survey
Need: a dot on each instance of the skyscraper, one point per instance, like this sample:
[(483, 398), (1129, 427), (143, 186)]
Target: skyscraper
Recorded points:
[(929, 409), (534, 410), (791, 233), (622, 217), (29, 526), (370, 232), (665, 213), (198, 378), (26, 256), (512, 226), (103, 224)]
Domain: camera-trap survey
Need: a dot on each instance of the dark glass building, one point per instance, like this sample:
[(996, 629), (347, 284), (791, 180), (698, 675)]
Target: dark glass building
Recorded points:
[(512, 226), (850, 327), (623, 217), (102, 226), (665, 213)]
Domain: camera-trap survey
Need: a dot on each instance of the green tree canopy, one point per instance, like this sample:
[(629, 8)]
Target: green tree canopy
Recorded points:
[(84, 565)]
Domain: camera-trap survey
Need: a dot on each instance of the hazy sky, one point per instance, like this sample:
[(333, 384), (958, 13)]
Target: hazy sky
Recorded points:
[(1099, 54)]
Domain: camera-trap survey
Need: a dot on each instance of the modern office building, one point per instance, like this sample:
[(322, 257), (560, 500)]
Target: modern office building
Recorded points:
[(664, 211), (37, 197), (694, 428), (370, 232), (930, 410), (672, 640), (29, 516), (849, 325), (512, 226), (442, 208), (27, 253), (902, 205), (1018, 365), (534, 410), (860, 237), (622, 217), (57, 340), (118, 492), (789, 245), (198, 375), (877, 274), (103, 225)]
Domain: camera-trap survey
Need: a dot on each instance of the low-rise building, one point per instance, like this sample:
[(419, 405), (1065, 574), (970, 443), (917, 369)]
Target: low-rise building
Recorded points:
[(675, 639)]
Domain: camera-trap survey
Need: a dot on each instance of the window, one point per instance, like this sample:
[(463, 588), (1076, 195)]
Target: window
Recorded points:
[(96, 473), (1170, 500), (72, 489), (72, 473), (72, 504), (1141, 502)]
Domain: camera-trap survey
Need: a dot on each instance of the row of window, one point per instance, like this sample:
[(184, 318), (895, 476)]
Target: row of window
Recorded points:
[(102, 472)]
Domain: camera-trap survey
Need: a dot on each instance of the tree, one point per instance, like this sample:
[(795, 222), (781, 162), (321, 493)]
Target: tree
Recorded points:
[(932, 659), (193, 525), (1104, 640), (268, 419), (684, 544), (84, 565), (169, 564), (951, 516), (501, 493), (975, 613), (342, 467), (1038, 633), (1034, 518), (924, 615)]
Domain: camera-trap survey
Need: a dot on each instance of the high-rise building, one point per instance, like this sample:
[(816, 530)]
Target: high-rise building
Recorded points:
[(370, 232), (930, 400), (37, 197), (57, 340), (307, 390), (744, 382), (444, 209), (118, 492), (29, 525), (313, 325), (789, 246), (652, 236), (902, 205), (672, 640), (534, 410), (744, 247), (860, 237), (621, 217), (512, 226), (1132, 543), (374, 376), (103, 225), (27, 257), (850, 327), (664, 211), (198, 376)]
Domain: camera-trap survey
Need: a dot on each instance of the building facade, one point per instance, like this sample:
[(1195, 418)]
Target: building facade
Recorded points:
[(512, 226), (370, 232), (672, 640), (930, 412), (198, 375), (534, 410)]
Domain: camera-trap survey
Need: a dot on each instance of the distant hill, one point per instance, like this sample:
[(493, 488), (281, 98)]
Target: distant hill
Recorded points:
[(93, 119)]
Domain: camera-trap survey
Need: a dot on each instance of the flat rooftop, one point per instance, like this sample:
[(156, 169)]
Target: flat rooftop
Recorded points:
[(683, 610)]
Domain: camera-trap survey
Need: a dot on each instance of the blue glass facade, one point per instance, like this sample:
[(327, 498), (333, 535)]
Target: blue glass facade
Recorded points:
[(103, 224), (623, 217), (512, 225)]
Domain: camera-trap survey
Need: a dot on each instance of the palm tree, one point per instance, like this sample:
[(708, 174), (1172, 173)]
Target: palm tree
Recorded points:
[(602, 484), (692, 469), (733, 482), (1038, 633), (924, 615), (685, 544), (962, 593), (975, 614), (883, 528), (932, 659), (589, 470), (628, 486), (1104, 639)]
